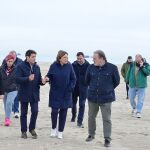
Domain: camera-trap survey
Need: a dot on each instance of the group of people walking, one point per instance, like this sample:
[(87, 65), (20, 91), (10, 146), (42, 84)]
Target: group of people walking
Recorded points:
[(21, 81)]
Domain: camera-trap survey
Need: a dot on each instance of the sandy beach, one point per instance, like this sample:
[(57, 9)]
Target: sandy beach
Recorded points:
[(128, 133)]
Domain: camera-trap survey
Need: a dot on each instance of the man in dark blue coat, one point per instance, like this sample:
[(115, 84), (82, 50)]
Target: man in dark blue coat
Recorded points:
[(80, 67), (29, 80), (16, 101), (102, 78)]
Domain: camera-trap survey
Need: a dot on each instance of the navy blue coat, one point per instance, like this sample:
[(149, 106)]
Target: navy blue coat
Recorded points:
[(81, 86), (29, 91), (62, 80), (102, 81)]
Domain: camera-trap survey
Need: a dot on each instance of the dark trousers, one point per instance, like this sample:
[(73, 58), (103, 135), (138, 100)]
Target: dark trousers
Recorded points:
[(62, 118), (24, 112), (127, 89), (81, 94), (16, 105)]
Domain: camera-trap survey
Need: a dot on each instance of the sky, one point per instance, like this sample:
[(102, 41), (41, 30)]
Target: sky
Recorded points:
[(118, 27)]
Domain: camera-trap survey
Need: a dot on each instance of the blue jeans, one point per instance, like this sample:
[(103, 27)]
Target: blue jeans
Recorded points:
[(8, 103), (15, 107), (140, 93)]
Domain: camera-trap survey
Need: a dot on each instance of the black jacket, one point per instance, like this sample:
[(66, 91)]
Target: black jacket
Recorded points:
[(81, 86), (1, 90), (102, 81), (8, 82), (80, 71)]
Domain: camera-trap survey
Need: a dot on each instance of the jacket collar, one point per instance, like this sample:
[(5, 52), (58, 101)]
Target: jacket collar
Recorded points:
[(76, 63), (102, 67), (58, 63), (27, 63), (4, 67)]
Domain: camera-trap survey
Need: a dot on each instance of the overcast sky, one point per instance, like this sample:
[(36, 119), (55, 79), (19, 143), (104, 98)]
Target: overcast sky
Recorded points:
[(119, 27)]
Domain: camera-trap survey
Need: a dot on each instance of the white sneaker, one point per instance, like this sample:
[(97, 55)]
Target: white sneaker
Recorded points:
[(60, 135), (53, 133), (138, 115), (133, 113), (16, 115)]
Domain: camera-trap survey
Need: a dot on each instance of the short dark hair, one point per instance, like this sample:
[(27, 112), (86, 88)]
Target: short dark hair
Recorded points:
[(80, 53), (60, 54), (101, 54), (30, 52), (129, 57)]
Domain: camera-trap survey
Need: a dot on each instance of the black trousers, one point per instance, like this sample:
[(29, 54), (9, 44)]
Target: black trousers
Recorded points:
[(127, 89), (62, 113), (33, 118), (81, 94)]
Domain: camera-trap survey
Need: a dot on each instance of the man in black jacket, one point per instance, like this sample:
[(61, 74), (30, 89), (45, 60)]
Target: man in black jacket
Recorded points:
[(80, 67), (102, 78), (29, 80)]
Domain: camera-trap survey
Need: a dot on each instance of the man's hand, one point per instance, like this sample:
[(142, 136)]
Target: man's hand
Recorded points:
[(1, 96), (47, 79), (31, 77), (43, 80), (141, 64)]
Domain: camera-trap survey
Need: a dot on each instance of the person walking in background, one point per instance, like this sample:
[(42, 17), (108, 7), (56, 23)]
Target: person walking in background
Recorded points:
[(1, 90), (62, 82), (17, 59), (80, 67), (137, 80), (102, 78), (8, 86), (124, 70), (15, 107), (29, 80)]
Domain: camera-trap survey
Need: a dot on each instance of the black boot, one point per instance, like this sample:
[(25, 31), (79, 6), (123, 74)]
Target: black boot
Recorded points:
[(24, 135), (33, 133), (73, 119), (90, 138), (107, 143)]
